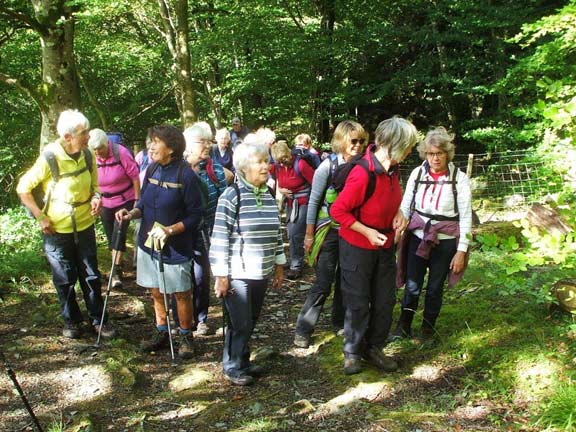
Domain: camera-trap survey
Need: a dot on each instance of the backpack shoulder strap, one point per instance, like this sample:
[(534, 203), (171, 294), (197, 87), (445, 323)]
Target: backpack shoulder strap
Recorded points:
[(416, 183), (210, 172), (50, 158), (237, 212), (297, 165), (371, 179), (88, 159), (454, 190), (116, 151)]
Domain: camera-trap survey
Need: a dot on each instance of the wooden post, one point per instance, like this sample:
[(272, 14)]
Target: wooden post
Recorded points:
[(470, 164)]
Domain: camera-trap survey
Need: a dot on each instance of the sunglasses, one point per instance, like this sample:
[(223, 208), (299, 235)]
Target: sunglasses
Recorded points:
[(355, 141)]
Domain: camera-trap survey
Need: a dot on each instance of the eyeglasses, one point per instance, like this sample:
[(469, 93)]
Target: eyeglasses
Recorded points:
[(436, 154), (355, 141)]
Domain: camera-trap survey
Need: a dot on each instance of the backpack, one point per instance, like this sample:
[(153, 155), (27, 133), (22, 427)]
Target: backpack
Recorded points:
[(339, 175), (118, 139), (43, 200), (310, 158)]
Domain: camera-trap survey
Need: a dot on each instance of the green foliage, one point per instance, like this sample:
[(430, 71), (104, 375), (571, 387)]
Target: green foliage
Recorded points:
[(559, 413), (20, 246)]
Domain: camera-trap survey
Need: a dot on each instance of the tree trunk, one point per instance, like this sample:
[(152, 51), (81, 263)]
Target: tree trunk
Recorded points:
[(60, 89), (175, 24), (324, 72)]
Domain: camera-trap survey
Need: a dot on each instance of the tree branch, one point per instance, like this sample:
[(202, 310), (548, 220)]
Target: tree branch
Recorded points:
[(23, 87), (289, 10), (151, 105), (12, 15)]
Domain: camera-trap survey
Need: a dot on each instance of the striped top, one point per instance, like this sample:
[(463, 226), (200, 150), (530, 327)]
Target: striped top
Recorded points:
[(254, 252)]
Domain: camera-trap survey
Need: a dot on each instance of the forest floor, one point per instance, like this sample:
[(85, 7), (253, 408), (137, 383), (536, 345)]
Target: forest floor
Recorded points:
[(73, 387)]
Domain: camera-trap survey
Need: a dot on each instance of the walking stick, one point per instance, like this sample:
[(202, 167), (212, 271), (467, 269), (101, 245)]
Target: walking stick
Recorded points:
[(166, 306), (119, 229), (12, 376)]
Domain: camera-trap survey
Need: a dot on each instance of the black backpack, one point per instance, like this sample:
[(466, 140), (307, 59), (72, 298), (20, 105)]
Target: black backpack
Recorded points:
[(305, 154), (43, 199), (340, 175)]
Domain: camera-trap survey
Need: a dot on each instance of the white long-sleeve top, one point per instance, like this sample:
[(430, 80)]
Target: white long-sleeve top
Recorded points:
[(438, 199)]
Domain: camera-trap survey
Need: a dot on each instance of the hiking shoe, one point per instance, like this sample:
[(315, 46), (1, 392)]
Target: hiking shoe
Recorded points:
[(293, 274), (160, 340), (339, 331), (117, 278), (202, 329), (72, 330), (107, 330), (240, 379), (426, 338), (301, 341), (400, 332), (376, 357), (352, 366), (255, 370), (185, 346)]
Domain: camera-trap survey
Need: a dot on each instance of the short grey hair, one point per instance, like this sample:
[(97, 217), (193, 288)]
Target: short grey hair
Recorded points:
[(222, 132), (69, 121), (437, 137), (397, 135), (98, 139), (243, 154), (267, 136), (196, 132)]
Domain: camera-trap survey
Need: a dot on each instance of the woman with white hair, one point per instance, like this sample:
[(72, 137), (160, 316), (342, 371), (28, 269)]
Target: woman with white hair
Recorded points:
[(438, 203), (118, 179), (221, 152), (213, 177), (246, 253), (368, 222)]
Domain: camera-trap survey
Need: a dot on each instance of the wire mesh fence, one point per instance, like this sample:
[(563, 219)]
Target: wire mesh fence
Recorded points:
[(503, 182)]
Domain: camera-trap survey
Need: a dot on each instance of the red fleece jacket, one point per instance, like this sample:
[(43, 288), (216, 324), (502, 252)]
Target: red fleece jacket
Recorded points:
[(377, 212), (287, 178)]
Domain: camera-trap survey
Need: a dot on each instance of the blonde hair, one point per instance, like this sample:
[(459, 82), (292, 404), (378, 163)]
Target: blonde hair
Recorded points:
[(303, 140), (281, 153), (396, 135), (438, 137), (342, 133)]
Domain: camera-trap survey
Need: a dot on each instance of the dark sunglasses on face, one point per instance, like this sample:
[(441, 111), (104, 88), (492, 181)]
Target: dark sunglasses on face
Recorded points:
[(355, 141)]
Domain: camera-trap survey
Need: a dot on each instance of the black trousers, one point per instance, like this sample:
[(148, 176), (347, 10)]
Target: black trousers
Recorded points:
[(327, 272), (437, 266), (369, 291)]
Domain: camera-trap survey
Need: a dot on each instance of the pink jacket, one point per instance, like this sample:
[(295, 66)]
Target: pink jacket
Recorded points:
[(115, 178)]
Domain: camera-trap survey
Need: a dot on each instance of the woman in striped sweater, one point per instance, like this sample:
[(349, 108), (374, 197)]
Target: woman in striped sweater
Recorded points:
[(246, 252)]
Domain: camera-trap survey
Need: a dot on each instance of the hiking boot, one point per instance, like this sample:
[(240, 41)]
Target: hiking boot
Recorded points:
[(426, 338), (107, 330), (72, 330), (339, 331), (293, 274), (185, 346), (404, 328), (202, 329), (255, 370), (160, 340), (301, 341), (352, 366), (240, 379), (117, 277), (376, 357)]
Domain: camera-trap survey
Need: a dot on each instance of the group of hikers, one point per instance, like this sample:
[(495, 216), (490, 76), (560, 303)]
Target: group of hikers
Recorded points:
[(207, 214)]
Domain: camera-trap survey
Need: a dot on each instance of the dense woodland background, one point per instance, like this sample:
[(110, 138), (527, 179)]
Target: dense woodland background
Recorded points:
[(499, 73)]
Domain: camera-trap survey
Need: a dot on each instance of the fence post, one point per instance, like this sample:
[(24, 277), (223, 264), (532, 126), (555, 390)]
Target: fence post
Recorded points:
[(470, 163)]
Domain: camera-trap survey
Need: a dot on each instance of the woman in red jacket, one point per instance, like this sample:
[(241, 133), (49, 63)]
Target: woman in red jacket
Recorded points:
[(367, 234), (293, 179)]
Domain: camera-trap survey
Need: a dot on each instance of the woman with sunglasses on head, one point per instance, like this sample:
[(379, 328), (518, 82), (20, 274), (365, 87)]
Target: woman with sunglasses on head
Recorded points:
[(438, 203), (367, 234), (321, 239)]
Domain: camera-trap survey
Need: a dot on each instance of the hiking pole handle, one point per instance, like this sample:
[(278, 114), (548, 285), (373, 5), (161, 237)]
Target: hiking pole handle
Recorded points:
[(119, 230)]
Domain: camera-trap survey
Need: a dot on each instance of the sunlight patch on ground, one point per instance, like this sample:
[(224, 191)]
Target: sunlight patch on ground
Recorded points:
[(190, 411), (535, 378), (363, 391), (80, 384), (427, 373)]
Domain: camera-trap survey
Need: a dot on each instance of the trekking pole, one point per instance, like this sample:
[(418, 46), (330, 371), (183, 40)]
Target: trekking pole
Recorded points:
[(12, 376), (119, 228), (166, 306), (224, 321)]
